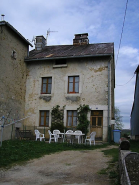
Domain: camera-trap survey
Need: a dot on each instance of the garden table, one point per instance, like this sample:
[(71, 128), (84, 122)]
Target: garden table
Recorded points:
[(73, 135)]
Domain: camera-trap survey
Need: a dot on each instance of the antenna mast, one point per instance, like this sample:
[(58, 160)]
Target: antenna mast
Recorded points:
[(48, 33), (2, 17)]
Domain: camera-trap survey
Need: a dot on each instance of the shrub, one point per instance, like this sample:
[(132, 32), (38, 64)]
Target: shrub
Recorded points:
[(58, 126)]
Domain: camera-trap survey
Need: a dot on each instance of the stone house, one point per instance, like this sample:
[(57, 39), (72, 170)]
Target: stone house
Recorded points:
[(135, 109), (70, 76), (13, 49)]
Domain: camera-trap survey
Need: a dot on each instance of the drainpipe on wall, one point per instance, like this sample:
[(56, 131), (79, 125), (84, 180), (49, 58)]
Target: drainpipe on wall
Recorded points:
[(109, 70)]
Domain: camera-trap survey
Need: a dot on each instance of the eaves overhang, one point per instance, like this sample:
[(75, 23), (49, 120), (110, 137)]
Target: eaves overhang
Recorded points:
[(66, 57), (4, 23)]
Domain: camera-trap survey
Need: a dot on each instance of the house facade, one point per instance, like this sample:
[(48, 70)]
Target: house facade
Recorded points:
[(135, 109), (13, 49), (70, 76)]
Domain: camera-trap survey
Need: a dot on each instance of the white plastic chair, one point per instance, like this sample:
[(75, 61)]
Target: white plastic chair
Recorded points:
[(78, 136), (57, 132), (90, 138), (39, 135), (69, 136), (52, 136)]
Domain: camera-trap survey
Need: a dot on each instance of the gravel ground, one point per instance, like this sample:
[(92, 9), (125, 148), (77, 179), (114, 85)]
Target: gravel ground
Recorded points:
[(68, 167)]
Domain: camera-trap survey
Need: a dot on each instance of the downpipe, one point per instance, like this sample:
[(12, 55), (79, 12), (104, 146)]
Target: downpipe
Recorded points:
[(109, 85)]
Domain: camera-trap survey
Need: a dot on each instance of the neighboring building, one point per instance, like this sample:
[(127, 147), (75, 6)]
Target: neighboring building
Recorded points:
[(13, 49), (135, 110), (70, 75)]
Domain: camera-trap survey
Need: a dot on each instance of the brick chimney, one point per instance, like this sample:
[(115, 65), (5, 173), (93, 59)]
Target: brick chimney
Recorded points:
[(81, 39), (40, 42)]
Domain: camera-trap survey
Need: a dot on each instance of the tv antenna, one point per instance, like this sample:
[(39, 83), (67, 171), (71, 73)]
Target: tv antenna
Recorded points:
[(34, 40), (48, 33)]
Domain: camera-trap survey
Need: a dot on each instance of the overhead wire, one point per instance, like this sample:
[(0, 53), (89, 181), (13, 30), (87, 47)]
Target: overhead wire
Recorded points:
[(120, 44), (121, 34), (126, 82)]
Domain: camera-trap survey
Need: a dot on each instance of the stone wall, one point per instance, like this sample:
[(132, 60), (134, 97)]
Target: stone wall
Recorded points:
[(129, 167), (13, 50)]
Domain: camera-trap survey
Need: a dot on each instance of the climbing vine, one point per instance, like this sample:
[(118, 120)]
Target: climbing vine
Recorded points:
[(57, 118), (83, 124), (56, 113)]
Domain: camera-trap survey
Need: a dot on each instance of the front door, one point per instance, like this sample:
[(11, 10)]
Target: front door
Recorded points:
[(96, 123)]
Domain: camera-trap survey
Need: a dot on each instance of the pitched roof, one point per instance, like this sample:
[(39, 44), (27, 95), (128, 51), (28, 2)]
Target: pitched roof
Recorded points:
[(11, 27), (72, 51)]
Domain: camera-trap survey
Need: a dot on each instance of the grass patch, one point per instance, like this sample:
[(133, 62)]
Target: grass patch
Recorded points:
[(114, 153), (68, 164), (19, 151), (112, 169), (103, 171), (134, 146)]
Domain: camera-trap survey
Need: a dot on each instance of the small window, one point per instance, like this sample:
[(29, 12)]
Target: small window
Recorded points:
[(14, 54), (71, 118), (97, 113), (44, 118), (46, 85), (73, 84), (60, 62)]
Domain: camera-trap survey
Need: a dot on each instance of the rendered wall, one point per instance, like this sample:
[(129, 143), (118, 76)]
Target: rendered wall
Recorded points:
[(93, 88)]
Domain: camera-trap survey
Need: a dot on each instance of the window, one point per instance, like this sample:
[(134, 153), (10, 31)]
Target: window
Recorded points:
[(14, 54), (60, 62), (73, 84), (71, 118), (44, 118), (46, 85)]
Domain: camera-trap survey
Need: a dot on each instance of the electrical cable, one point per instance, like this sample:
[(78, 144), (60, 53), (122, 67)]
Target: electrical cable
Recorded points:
[(126, 82), (121, 34), (17, 121)]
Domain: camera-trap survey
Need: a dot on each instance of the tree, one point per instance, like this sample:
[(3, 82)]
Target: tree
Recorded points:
[(118, 119)]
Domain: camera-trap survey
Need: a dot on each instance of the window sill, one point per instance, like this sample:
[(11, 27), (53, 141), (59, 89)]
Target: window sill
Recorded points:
[(73, 94), (41, 95), (39, 127), (60, 66)]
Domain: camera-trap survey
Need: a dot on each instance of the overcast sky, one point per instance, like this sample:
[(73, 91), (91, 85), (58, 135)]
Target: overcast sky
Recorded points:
[(101, 19)]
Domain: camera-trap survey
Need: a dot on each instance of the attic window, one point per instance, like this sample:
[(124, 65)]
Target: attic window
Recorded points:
[(60, 62), (14, 54)]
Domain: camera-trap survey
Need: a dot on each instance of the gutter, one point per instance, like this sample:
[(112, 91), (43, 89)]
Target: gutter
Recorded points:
[(53, 58)]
